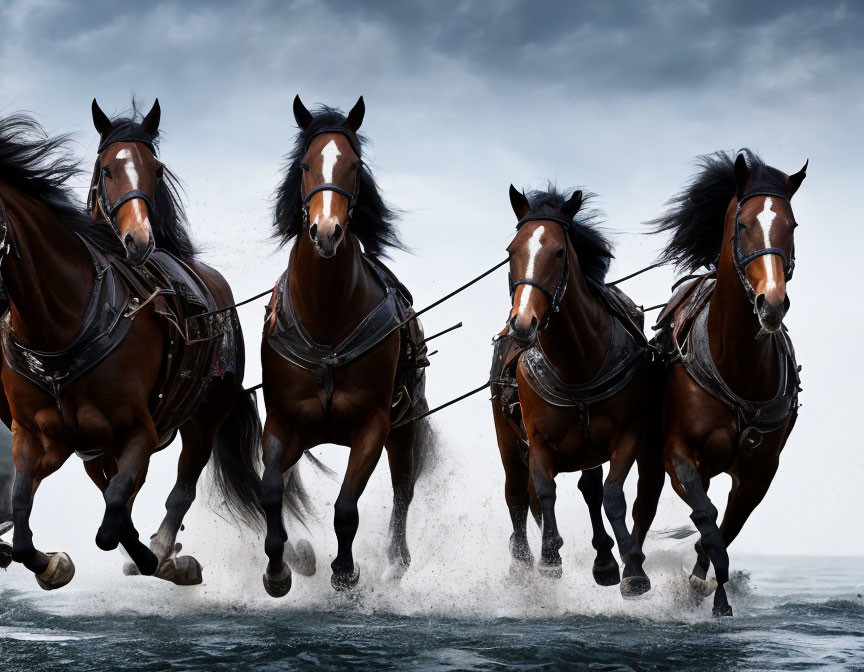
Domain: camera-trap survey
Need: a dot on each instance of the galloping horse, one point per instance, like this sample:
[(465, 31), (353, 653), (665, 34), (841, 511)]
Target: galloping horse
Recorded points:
[(107, 359), (574, 351), (342, 357), (731, 390)]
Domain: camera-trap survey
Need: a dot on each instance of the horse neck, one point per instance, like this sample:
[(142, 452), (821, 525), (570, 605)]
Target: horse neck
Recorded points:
[(747, 364), (49, 279), (330, 296), (578, 336)]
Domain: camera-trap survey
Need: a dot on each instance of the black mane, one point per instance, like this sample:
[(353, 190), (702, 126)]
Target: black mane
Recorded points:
[(169, 223), (696, 216), (373, 222), (593, 250), (40, 166)]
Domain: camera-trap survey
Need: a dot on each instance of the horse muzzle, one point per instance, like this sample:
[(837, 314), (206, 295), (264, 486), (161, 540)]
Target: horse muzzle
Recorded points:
[(771, 313), (326, 244), (523, 331), (138, 251)]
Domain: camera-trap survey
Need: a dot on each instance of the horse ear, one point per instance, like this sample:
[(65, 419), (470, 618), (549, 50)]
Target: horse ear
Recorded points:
[(302, 116), (794, 181), (742, 173), (100, 119), (355, 116), (520, 204), (571, 205), (150, 123)]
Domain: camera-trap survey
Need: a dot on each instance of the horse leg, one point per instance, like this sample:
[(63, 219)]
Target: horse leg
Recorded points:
[(543, 474), (366, 448), (32, 466), (748, 490), (400, 455), (197, 434), (117, 525), (605, 569), (688, 483), (634, 581), (516, 491), (280, 454), (652, 476)]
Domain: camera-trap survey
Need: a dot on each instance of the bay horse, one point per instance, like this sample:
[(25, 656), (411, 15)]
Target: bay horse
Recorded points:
[(731, 386), (95, 360), (573, 384), (337, 291)]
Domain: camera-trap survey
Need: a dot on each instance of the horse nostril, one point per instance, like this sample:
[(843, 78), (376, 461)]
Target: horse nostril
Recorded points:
[(338, 233), (313, 231), (513, 322), (534, 322)]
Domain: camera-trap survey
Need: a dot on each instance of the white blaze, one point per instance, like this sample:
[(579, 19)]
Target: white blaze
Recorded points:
[(329, 155), (129, 167), (766, 219), (534, 247)]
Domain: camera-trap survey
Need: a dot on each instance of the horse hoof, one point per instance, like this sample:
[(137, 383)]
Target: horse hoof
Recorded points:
[(725, 610), (58, 573), (278, 584), (703, 587), (130, 569), (550, 571), (395, 571), (182, 571), (304, 560), (634, 586), (343, 581), (606, 573)]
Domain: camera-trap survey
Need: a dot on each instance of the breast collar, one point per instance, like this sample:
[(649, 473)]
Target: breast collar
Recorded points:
[(291, 340), (618, 369), (754, 417)]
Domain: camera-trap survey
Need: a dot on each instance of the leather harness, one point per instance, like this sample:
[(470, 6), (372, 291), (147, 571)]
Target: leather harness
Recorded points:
[(683, 337), (291, 341), (199, 344), (627, 349)]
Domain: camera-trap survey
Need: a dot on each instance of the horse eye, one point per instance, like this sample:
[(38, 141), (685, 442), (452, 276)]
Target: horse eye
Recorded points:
[(107, 171), (305, 166), (794, 225), (160, 171), (742, 225), (560, 252)]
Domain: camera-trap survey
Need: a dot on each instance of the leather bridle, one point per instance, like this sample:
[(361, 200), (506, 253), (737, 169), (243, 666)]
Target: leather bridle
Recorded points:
[(556, 296), (329, 186), (741, 261), (99, 193)]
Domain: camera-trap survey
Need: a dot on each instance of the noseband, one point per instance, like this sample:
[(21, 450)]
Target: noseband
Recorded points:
[(99, 192), (555, 297), (741, 261)]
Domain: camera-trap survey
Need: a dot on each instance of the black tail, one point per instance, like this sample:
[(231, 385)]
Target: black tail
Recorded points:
[(235, 460), (425, 437)]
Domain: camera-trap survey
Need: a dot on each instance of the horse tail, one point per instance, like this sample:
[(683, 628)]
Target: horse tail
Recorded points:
[(425, 436), (235, 459), (295, 498)]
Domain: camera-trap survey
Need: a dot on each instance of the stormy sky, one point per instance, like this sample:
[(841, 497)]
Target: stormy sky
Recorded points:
[(462, 99)]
